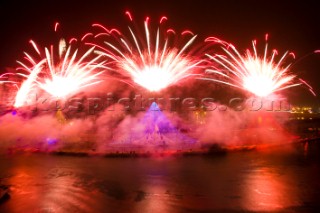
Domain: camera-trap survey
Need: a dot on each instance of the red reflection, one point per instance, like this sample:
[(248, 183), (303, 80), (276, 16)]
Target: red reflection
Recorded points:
[(268, 190)]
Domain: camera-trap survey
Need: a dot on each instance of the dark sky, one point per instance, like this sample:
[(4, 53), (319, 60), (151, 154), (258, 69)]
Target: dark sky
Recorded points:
[(292, 26)]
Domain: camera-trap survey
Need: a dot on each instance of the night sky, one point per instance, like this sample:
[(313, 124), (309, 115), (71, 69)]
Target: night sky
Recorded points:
[(292, 26)]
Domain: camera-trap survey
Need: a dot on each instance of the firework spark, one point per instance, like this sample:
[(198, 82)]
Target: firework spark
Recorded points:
[(29, 85), (62, 79), (4, 78), (260, 75), (154, 64)]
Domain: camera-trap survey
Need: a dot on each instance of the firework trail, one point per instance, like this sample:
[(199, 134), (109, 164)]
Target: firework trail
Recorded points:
[(60, 79), (4, 78), (154, 63), (258, 74)]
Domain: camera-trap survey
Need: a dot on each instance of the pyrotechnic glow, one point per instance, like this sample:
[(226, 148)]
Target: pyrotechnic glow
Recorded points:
[(260, 75), (69, 75), (154, 64), (4, 78), (29, 85), (64, 78)]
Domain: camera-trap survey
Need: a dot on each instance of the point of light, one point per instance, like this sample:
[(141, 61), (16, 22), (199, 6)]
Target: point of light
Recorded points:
[(153, 78)]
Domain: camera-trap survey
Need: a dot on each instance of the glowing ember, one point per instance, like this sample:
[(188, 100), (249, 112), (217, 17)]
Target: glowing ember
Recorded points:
[(260, 75), (153, 64), (64, 78)]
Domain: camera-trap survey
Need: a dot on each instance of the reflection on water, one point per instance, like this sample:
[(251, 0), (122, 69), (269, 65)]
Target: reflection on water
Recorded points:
[(264, 190), (257, 181)]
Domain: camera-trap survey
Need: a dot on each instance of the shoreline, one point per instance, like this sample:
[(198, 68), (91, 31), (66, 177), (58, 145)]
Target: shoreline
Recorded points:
[(214, 149)]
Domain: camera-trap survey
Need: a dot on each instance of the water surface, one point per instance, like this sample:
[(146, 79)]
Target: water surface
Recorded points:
[(275, 180)]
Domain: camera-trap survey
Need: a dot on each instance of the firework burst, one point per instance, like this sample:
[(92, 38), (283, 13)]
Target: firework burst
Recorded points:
[(60, 79), (154, 63), (258, 74)]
